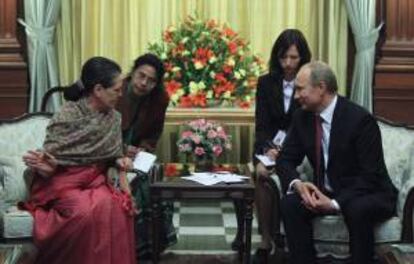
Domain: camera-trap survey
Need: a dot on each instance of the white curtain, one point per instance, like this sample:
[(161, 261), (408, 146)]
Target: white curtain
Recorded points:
[(361, 15), (41, 17)]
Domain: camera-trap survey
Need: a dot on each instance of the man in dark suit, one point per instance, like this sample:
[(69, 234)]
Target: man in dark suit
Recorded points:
[(343, 144)]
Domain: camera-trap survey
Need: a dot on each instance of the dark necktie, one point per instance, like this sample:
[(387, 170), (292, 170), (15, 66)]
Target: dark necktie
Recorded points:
[(319, 166)]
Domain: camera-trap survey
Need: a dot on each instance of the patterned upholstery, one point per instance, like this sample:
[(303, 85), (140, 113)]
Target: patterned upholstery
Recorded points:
[(16, 138), (330, 233)]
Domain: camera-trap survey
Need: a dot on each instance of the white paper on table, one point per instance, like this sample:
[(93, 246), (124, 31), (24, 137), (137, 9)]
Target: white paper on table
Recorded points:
[(265, 160), (204, 180), (209, 178), (143, 161), (279, 138)]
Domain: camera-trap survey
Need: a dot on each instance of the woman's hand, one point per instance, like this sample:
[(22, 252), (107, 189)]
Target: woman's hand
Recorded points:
[(272, 153), (132, 151), (41, 162), (124, 163)]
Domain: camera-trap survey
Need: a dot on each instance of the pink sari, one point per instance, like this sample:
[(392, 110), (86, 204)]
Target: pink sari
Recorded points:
[(79, 218)]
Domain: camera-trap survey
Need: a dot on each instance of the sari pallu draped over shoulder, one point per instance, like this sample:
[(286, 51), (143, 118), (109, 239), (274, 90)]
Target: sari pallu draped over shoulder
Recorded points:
[(78, 135), (78, 217)]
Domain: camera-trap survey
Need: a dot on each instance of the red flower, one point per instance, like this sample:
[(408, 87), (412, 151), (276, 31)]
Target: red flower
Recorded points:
[(168, 66), (220, 78), (172, 87), (186, 101), (228, 32), (227, 69), (232, 46), (199, 100), (170, 170), (244, 104)]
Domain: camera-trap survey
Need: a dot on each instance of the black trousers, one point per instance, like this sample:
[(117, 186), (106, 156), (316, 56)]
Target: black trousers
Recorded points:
[(360, 215)]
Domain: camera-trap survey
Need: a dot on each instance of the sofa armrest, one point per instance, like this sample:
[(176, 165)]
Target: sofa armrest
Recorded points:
[(406, 200)]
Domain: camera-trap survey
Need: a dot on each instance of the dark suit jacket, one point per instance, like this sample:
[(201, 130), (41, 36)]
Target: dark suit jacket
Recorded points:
[(270, 113), (356, 161), (148, 119)]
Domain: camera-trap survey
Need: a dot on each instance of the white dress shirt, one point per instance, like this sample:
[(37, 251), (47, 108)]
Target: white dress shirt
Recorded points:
[(287, 93), (326, 116)]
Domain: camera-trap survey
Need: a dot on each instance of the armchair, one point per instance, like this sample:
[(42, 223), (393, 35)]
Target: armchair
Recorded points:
[(330, 232), (17, 136)]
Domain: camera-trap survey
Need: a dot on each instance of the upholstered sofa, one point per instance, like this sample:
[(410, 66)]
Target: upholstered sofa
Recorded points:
[(330, 233), (16, 137)]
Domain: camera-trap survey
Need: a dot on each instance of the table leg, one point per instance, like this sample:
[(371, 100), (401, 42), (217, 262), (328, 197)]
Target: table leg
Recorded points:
[(156, 216), (248, 217), (239, 210)]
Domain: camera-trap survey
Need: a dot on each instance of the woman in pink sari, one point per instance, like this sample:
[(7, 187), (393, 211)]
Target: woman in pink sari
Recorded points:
[(78, 216)]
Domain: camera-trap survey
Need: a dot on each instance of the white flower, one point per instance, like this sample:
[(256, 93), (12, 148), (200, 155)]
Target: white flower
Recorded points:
[(175, 97), (176, 69), (227, 95), (237, 75), (184, 40), (231, 62), (198, 65), (180, 92), (212, 60), (201, 85), (209, 95), (245, 83), (242, 72), (193, 87), (212, 74), (186, 53), (163, 56)]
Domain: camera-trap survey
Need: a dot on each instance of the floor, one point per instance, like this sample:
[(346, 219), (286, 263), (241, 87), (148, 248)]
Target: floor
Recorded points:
[(206, 228)]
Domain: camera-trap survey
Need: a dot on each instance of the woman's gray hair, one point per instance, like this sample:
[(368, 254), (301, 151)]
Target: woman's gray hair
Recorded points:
[(79, 83)]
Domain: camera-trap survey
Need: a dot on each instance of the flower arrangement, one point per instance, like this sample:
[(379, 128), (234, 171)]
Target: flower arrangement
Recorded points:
[(204, 138), (207, 64)]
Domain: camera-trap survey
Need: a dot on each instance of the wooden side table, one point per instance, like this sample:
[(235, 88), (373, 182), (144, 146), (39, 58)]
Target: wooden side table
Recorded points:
[(168, 185), (397, 254)]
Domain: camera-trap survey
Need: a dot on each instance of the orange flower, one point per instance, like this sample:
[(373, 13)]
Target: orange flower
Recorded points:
[(199, 100), (211, 23), (228, 32), (186, 101), (178, 50), (172, 87), (167, 36), (171, 170)]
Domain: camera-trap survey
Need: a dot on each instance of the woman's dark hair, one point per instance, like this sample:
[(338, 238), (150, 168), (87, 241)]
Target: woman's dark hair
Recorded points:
[(154, 61), (286, 39), (96, 70)]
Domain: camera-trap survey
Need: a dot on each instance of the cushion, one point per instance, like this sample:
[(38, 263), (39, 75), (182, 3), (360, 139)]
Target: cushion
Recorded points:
[(17, 138), (16, 223), (332, 228), (398, 146)]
